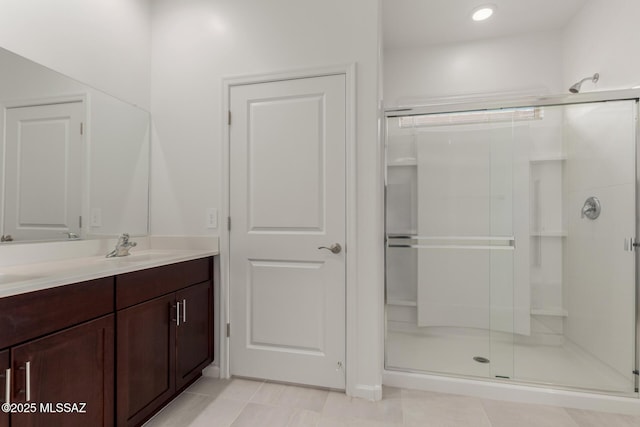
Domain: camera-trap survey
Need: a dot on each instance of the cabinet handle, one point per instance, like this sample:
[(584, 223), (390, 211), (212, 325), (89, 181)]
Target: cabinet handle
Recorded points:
[(27, 381), (7, 386), (184, 311), (177, 314)]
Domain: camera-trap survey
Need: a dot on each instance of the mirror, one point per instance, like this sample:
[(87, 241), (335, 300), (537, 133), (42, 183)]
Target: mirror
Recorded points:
[(75, 161)]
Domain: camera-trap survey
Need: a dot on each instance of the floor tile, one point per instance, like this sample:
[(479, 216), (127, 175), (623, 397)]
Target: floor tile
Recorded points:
[(219, 413), (240, 402), (290, 396), (181, 412), (353, 422), (259, 415), (302, 418), (600, 419), (339, 405), (208, 386), (240, 389), (311, 399), (268, 393), (509, 414), (443, 410)]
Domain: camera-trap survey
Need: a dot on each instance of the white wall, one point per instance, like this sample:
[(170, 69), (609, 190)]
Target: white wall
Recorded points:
[(524, 64), (603, 37), (198, 42), (102, 43)]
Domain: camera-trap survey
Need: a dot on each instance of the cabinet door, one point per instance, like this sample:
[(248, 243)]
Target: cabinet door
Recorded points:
[(194, 333), (145, 359), (4, 365), (72, 366)]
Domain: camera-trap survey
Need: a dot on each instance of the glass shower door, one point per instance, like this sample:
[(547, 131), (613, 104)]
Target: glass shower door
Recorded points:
[(583, 264), (512, 245), (450, 264)]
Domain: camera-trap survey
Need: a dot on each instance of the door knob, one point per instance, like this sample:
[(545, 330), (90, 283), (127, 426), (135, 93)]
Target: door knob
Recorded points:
[(335, 248)]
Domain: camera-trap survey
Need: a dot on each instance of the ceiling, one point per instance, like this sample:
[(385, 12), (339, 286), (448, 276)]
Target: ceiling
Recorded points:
[(409, 23)]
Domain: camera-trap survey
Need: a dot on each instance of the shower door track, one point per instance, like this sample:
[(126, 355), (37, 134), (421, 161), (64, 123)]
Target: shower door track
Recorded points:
[(498, 104)]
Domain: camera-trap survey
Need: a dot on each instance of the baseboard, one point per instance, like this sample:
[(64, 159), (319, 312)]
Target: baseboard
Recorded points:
[(211, 371), (372, 393)]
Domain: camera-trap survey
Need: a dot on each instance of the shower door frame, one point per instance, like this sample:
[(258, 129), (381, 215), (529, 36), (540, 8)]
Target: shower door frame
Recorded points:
[(467, 105)]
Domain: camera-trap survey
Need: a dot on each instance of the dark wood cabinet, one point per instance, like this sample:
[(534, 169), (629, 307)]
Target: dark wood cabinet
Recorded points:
[(146, 339), (118, 347), (194, 344), (4, 366), (34, 314), (164, 335), (59, 348), (74, 366)]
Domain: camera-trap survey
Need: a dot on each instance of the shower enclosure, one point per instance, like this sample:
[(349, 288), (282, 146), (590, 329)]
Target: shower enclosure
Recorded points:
[(511, 231)]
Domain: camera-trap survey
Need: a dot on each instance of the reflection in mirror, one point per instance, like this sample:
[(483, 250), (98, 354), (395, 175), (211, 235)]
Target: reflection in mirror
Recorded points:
[(76, 160)]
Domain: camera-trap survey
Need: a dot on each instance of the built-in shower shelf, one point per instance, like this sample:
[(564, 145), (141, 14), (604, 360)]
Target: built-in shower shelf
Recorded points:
[(554, 311), (403, 162), (552, 158), (405, 232), (550, 233), (402, 303)]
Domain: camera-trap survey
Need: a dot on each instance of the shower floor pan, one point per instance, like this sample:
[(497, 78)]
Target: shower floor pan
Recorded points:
[(563, 365)]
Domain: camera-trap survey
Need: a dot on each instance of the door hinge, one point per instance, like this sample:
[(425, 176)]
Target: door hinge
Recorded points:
[(228, 330), (229, 117), (81, 128), (229, 223), (630, 244), (636, 372)]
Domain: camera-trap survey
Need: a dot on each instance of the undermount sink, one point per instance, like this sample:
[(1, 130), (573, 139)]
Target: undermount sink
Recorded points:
[(15, 278)]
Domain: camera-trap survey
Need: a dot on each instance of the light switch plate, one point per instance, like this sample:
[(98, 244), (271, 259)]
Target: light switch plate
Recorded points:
[(212, 218)]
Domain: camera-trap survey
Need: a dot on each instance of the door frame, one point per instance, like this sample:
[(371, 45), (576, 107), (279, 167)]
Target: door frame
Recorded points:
[(349, 71)]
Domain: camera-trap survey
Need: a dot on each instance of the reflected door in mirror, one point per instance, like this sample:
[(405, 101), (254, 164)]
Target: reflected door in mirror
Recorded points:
[(43, 171)]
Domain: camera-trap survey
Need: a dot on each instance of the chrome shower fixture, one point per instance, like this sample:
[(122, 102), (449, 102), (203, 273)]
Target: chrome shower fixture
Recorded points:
[(576, 87)]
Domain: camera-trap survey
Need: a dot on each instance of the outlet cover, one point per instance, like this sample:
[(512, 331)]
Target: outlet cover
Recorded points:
[(96, 217)]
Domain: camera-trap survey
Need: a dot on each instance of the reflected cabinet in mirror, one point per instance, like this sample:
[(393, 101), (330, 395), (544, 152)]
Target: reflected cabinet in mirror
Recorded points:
[(75, 160)]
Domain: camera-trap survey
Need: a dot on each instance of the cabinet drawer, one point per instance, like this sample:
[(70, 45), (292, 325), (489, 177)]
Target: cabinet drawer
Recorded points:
[(139, 286), (26, 316)]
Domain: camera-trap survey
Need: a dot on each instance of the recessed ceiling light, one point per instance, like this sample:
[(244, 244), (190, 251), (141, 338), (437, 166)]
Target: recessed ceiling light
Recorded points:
[(483, 12)]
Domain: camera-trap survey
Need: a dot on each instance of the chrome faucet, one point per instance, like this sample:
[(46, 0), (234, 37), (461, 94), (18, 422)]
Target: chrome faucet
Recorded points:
[(122, 247)]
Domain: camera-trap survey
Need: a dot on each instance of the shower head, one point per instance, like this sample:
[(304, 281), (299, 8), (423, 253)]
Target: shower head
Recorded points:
[(576, 87)]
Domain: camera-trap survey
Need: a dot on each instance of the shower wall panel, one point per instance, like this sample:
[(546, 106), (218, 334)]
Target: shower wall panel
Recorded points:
[(601, 162)]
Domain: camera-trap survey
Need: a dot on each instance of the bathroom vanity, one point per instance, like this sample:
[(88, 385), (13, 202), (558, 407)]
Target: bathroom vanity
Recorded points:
[(109, 350)]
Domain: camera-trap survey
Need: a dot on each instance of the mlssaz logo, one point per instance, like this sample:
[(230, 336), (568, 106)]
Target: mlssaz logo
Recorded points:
[(64, 407)]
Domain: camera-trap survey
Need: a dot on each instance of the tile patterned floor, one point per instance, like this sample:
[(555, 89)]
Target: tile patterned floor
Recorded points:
[(240, 403)]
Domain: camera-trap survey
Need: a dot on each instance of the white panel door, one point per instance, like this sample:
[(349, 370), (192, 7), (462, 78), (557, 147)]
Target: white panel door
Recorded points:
[(287, 199), (43, 172)]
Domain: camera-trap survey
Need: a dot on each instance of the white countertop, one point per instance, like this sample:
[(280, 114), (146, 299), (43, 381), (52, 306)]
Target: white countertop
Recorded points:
[(28, 277)]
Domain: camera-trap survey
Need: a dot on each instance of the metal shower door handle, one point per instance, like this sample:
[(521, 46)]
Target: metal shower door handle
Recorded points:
[(335, 248)]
